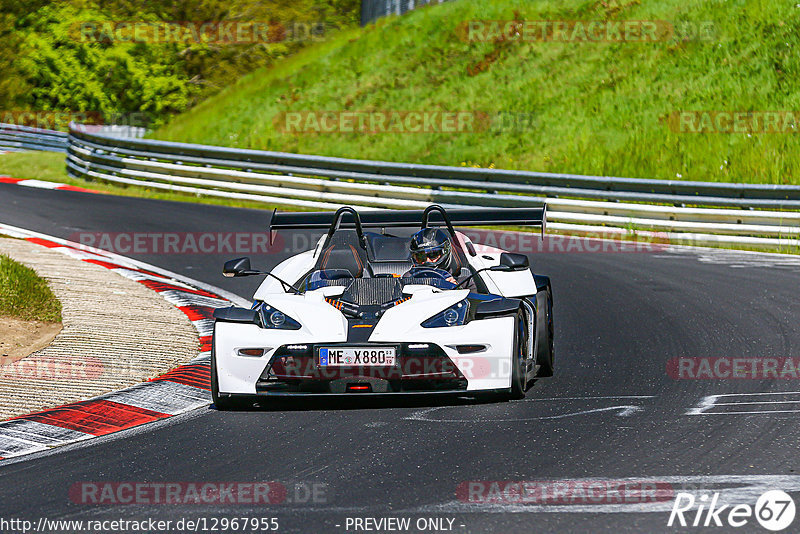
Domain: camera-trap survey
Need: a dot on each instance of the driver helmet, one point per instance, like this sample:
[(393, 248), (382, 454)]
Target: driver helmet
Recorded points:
[(430, 247)]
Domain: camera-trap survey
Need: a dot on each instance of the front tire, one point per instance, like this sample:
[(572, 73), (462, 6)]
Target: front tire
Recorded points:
[(545, 352), (519, 358)]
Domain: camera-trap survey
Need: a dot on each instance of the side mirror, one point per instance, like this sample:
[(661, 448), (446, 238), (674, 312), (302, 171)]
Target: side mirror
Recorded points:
[(510, 261), (237, 267), (237, 315)]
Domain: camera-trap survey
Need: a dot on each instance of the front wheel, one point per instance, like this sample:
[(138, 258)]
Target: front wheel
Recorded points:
[(519, 358), (545, 353)]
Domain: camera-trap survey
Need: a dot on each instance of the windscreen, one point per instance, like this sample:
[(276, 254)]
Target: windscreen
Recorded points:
[(328, 277)]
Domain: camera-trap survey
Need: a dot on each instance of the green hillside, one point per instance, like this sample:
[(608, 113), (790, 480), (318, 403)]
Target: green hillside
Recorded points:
[(594, 107)]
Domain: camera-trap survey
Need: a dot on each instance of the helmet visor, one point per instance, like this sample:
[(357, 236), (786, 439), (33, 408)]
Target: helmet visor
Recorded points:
[(428, 255)]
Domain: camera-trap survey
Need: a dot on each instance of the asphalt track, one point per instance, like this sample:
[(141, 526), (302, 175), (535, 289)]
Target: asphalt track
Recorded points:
[(611, 412)]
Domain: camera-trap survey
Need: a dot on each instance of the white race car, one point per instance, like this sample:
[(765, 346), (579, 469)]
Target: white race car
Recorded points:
[(355, 316)]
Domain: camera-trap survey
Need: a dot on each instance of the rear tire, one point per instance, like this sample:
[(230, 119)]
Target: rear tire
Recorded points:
[(519, 362)]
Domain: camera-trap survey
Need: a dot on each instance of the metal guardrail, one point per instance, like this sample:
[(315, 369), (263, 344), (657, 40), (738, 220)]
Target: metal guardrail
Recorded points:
[(13, 138), (324, 182), (465, 185), (118, 155)]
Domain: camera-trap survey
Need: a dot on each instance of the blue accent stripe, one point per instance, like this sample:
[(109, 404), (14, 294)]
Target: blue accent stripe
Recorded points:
[(480, 296)]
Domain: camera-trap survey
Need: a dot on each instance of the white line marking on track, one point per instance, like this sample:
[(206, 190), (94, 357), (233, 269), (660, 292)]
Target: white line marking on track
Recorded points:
[(742, 259), (625, 410), (709, 402), (590, 398), (39, 184)]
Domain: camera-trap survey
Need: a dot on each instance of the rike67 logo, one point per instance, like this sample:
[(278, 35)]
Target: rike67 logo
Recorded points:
[(774, 510)]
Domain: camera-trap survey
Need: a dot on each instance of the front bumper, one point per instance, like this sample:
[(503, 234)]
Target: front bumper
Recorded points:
[(484, 371), (418, 368), (374, 396)]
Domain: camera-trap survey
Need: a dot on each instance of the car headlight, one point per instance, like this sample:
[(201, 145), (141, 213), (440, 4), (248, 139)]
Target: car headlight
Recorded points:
[(272, 318), (455, 315)]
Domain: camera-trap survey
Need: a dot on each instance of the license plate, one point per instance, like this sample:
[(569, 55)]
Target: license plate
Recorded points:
[(356, 356)]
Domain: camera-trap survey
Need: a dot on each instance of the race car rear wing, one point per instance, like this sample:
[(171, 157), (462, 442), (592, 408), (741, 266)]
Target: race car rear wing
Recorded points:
[(404, 218)]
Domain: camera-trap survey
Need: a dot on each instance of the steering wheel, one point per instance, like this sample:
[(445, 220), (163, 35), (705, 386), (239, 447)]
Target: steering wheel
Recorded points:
[(429, 272)]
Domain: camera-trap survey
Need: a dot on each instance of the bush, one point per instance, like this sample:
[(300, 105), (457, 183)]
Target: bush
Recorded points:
[(48, 65)]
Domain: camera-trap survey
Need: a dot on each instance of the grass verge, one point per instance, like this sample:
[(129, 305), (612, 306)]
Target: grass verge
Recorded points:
[(25, 295)]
